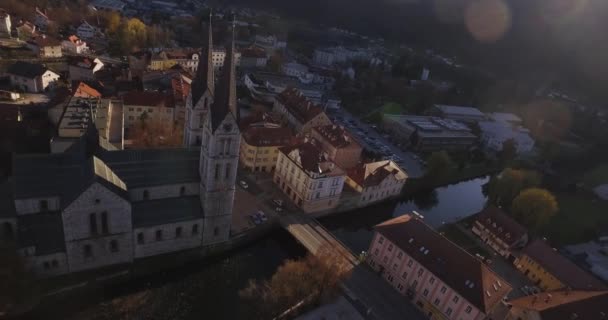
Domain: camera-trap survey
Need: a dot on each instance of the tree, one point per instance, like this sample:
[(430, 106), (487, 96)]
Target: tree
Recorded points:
[(509, 151), (114, 21), (534, 207), (503, 188), (275, 63), (154, 134), (306, 281), (438, 167)]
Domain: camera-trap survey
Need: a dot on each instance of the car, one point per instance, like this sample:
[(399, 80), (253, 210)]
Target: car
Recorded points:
[(256, 220), (278, 202), (262, 215), (243, 184)]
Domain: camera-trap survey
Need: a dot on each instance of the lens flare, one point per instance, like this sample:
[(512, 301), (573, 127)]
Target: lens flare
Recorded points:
[(487, 20)]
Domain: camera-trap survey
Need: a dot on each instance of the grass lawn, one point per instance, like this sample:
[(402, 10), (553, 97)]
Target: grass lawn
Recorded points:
[(392, 108), (578, 219), (597, 176)]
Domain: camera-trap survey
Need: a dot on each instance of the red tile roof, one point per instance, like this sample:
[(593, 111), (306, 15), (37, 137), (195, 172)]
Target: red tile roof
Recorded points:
[(374, 178), (146, 98), (84, 90), (310, 157), (560, 267), (501, 225), (336, 135), (566, 304), (297, 105), (266, 137), (45, 41), (464, 273), (253, 52)]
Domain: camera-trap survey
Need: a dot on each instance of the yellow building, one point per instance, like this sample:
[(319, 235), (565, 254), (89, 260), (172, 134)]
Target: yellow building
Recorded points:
[(260, 143), (552, 271)]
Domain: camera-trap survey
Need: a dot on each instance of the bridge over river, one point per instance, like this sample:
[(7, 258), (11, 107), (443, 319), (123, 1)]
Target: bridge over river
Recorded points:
[(364, 287)]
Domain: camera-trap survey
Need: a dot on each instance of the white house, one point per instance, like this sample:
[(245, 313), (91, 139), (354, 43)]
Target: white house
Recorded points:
[(376, 181), (307, 176), (5, 24), (298, 70), (31, 77), (494, 134), (86, 31), (74, 45), (83, 68), (46, 47)]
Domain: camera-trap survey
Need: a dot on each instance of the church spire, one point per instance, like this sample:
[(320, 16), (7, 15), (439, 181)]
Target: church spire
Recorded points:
[(204, 79), (225, 100)]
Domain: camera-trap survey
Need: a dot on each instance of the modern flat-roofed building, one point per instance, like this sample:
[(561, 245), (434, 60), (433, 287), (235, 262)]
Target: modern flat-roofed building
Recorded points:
[(499, 231), (552, 271), (464, 114), (494, 134), (301, 114), (306, 175), (436, 275), (426, 133), (339, 144), (376, 181)]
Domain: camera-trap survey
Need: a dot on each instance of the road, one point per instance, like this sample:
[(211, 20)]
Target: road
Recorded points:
[(362, 130)]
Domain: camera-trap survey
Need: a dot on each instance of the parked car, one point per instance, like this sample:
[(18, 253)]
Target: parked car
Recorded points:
[(278, 202), (262, 215), (243, 184), (255, 219)]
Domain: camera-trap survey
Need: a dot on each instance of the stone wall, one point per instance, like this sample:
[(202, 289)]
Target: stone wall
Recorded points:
[(170, 241)]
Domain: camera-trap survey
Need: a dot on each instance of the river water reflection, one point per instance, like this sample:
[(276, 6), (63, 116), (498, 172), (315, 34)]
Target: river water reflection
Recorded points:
[(443, 205)]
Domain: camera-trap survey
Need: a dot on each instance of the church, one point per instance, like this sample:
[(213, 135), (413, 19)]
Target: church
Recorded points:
[(90, 208)]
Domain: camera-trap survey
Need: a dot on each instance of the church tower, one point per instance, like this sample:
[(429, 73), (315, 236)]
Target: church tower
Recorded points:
[(220, 155), (200, 98)]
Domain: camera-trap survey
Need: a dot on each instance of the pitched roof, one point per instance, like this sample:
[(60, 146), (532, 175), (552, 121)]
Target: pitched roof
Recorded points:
[(297, 105), (224, 101), (145, 98), (560, 267), (336, 135), (311, 159), (566, 304), (267, 136), (81, 89), (82, 62), (501, 225), (44, 231), (372, 174), (26, 69), (204, 78), (464, 273), (163, 211), (45, 41)]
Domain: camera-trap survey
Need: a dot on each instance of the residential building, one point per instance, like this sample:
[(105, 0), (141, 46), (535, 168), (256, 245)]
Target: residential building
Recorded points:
[(270, 43), (149, 106), (90, 208), (307, 176), (494, 134), (552, 271), (261, 139), (339, 144), (323, 57), (295, 69), (46, 47), (26, 30), (83, 68), (430, 133), (334, 55), (563, 304), (265, 86), (499, 231), (464, 114), (83, 90), (31, 77), (41, 20), (376, 181), (436, 275), (301, 114), (5, 24), (86, 31), (189, 59), (74, 45), (253, 57)]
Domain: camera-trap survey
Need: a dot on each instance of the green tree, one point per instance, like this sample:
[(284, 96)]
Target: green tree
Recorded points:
[(439, 166), (503, 188), (534, 207)]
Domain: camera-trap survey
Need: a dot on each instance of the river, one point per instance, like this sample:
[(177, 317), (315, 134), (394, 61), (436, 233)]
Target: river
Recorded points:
[(211, 287), (443, 205)]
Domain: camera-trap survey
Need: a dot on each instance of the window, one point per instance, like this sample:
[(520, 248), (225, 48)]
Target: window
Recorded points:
[(97, 201), (146, 195), (320, 185), (399, 255), (217, 171), (448, 311), (468, 309), (455, 300), (432, 280), (195, 229), (385, 259), (395, 266), (88, 251), (178, 232), (390, 248), (420, 272), (159, 235), (104, 222), (113, 246), (381, 240), (318, 195), (410, 263), (44, 205), (436, 302), (404, 275), (443, 289), (47, 265), (227, 171), (216, 231), (140, 238), (376, 251), (92, 223), (182, 191), (425, 292)]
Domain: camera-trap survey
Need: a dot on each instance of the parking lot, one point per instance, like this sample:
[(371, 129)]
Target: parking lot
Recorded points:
[(372, 139)]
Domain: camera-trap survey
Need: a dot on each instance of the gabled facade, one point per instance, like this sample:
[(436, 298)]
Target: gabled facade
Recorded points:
[(5, 24), (376, 181), (262, 137), (301, 114), (499, 231), (31, 77)]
